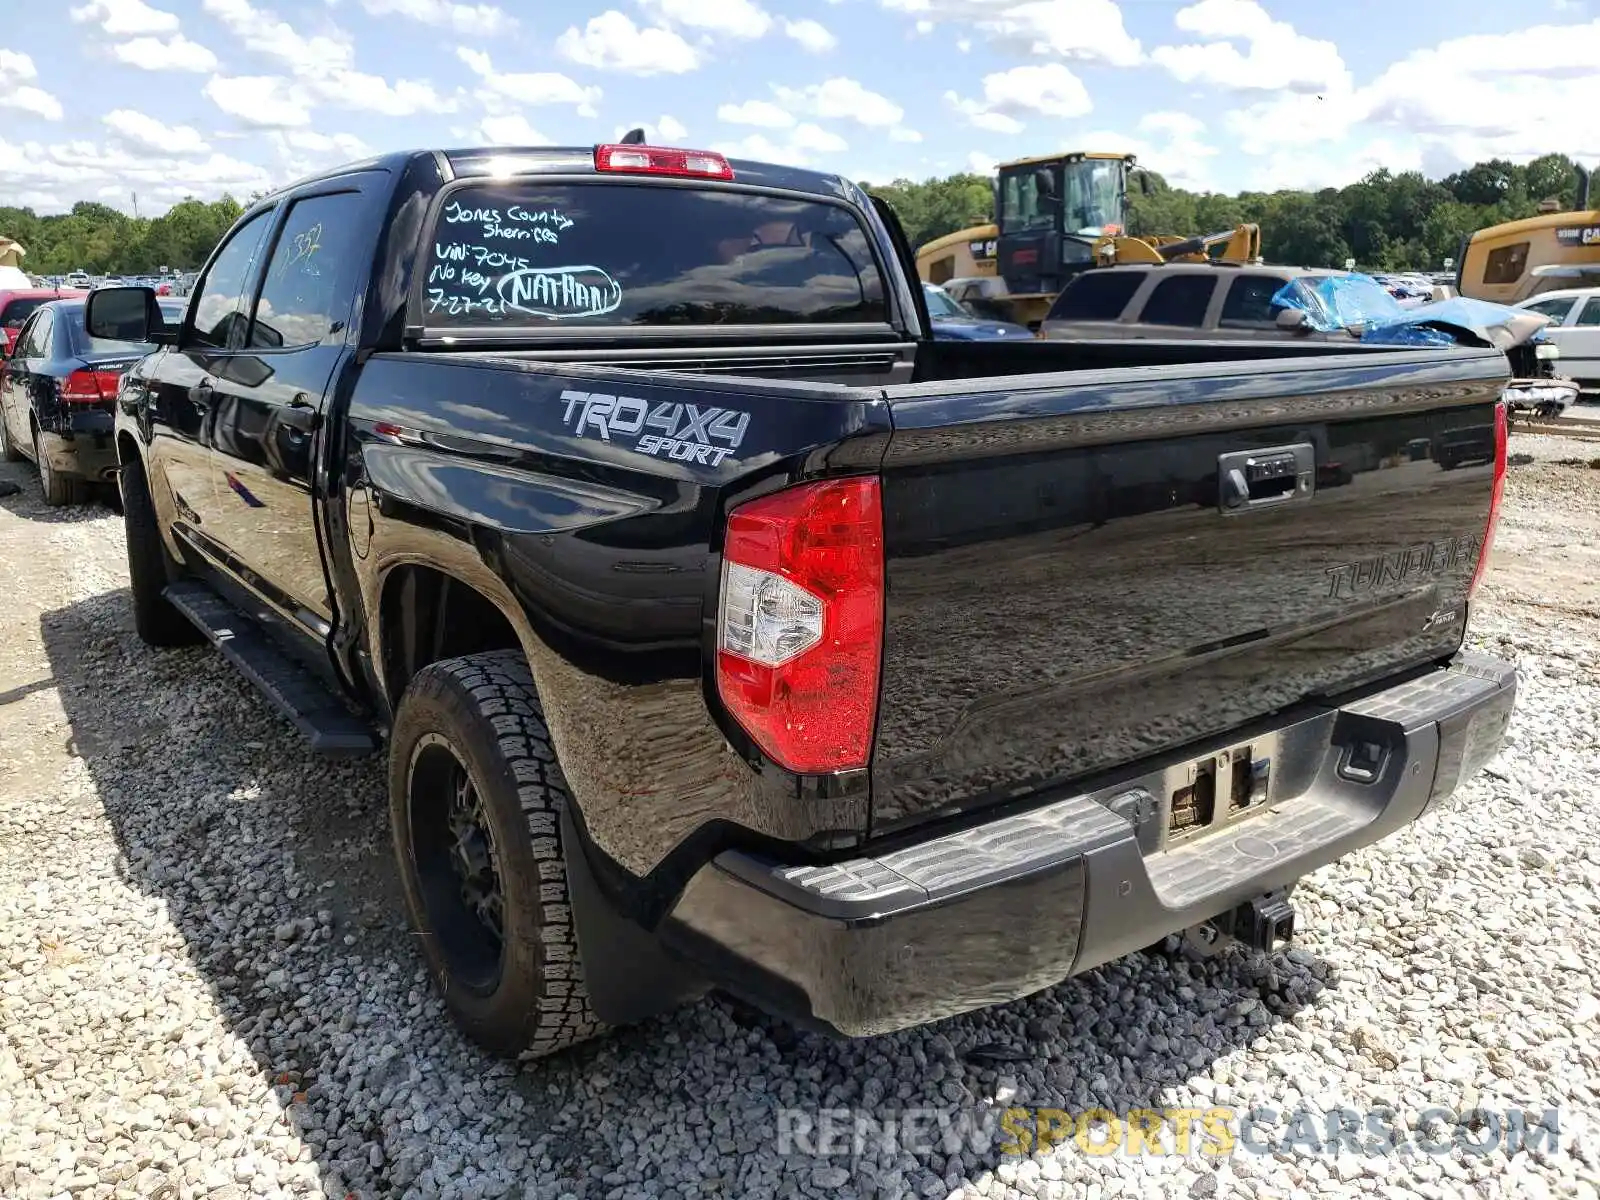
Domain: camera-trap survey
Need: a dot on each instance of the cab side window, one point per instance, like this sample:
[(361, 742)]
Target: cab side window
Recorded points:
[(1505, 264), (219, 309), (309, 285)]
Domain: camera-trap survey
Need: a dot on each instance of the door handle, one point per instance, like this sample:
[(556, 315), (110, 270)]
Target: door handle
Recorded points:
[(299, 415), (1253, 479), (200, 394)]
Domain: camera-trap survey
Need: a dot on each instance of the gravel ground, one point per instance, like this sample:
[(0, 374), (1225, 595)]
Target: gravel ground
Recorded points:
[(204, 990)]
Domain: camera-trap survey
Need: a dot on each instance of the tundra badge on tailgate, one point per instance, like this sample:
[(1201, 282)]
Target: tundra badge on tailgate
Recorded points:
[(688, 432)]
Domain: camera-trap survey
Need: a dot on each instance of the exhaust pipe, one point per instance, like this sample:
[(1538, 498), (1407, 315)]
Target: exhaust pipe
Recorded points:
[(1583, 189)]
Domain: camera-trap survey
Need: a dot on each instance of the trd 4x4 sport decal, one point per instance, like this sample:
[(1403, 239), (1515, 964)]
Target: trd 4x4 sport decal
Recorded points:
[(686, 432)]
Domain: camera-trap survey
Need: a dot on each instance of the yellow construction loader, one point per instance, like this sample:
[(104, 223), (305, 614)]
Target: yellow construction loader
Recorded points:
[(1517, 259), (1059, 215)]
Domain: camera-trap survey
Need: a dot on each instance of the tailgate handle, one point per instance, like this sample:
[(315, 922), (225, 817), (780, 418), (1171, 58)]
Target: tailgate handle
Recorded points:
[(1252, 479)]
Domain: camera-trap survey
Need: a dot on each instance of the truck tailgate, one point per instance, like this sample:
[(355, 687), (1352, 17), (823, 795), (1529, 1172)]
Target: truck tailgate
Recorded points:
[(1087, 570)]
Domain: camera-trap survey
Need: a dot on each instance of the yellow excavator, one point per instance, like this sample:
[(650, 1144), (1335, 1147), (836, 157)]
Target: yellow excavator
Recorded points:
[(1059, 215)]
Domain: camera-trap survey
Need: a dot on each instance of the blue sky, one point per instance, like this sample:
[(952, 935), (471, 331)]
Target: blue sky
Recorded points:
[(104, 99)]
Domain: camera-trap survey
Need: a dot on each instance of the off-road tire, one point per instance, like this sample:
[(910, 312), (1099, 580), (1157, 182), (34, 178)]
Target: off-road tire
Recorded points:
[(8, 449), (150, 566), (487, 710), (59, 490)]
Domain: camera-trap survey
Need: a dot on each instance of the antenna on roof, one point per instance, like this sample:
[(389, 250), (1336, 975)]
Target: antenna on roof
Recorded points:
[(634, 137)]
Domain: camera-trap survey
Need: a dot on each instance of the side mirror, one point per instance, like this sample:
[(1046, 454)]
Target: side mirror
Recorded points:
[(1291, 318), (1143, 183), (125, 314)]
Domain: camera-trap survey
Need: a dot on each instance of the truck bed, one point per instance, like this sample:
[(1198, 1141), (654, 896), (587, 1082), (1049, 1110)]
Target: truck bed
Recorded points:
[(1066, 593)]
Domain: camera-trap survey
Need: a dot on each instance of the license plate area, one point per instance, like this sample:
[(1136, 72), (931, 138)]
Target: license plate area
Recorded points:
[(1208, 793)]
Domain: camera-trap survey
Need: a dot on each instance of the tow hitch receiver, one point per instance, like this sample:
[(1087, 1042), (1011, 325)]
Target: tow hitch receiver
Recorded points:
[(1265, 921), (1262, 923)]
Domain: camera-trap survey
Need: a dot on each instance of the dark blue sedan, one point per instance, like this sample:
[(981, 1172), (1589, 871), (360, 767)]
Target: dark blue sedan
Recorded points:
[(58, 387), (952, 323)]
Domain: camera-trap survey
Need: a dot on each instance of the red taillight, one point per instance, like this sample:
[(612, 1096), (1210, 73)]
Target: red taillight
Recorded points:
[(90, 387), (660, 160), (1495, 497), (800, 624)]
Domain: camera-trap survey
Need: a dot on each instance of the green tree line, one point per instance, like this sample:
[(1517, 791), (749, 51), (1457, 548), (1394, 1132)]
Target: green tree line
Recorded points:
[(103, 241), (1386, 221)]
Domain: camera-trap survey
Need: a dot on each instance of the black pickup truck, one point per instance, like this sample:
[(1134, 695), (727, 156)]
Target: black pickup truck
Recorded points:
[(724, 630)]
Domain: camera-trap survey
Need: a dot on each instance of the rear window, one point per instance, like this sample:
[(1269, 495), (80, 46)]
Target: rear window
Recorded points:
[(16, 312), (1096, 296), (539, 256)]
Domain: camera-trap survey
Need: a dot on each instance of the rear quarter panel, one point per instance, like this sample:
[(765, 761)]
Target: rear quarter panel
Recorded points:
[(605, 560)]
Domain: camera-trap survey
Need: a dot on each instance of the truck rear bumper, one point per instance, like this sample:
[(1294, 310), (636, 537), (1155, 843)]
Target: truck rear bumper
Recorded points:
[(992, 912)]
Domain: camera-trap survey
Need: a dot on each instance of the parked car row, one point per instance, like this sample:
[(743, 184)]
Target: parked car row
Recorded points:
[(58, 388)]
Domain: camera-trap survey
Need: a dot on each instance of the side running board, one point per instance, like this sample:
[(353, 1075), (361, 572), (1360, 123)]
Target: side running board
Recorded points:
[(330, 728)]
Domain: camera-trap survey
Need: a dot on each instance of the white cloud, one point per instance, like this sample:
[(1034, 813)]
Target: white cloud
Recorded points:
[(813, 35), (762, 113), (981, 118), (345, 146), (1089, 30), (1178, 148), (265, 34), (1276, 57), (727, 18), (510, 129), (268, 101), (663, 132), (16, 90), (809, 137), (177, 53), (481, 20), (322, 66), (802, 146), (612, 42), (1047, 90), (660, 133), (53, 176), (925, 27), (536, 88), (146, 133), (980, 163), (374, 93), (126, 18), (901, 134), (1515, 95), (842, 99)]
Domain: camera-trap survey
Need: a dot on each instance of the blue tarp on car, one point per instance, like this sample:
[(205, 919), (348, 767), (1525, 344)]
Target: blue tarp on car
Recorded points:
[(1363, 306)]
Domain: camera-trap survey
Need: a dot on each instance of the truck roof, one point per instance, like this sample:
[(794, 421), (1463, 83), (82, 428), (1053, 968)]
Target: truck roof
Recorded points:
[(499, 161)]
